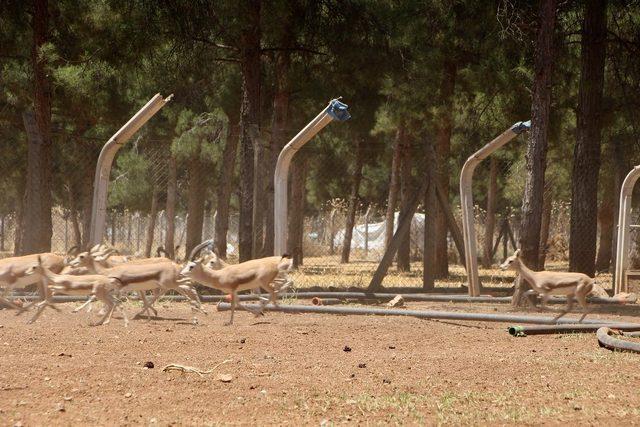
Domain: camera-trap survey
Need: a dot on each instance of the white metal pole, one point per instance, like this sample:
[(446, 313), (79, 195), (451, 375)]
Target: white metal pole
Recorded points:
[(335, 110), (624, 238), (108, 153), (466, 201)]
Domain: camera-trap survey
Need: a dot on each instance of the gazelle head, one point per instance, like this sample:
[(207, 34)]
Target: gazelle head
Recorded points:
[(214, 262), (192, 267), (285, 264), (512, 262)]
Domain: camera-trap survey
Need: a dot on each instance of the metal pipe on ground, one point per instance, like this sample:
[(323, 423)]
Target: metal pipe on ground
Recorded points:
[(521, 331), (607, 341), (421, 314), (359, 296)]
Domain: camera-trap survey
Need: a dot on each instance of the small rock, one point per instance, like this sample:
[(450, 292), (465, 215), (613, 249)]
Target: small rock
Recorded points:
[(128, 395), (225, 378), (149, 365), (68, 398), (346, 348), (577, 407), (386, 381), (243, 340), (65, 354), (353, 375), (153, 421), (18, 424), (47, 379), (398, 301), (362, 365), (60, 407), (392, 347), (263, 392)]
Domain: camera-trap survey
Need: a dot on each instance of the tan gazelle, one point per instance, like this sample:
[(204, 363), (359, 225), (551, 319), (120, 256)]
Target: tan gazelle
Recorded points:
[(548, 283), (257, 273)]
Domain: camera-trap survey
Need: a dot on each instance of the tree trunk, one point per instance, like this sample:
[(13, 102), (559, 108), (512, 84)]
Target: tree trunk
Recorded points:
[(586, 155), (490, 221), (547, 205), (151, 227), (223, 191), (605, 221), (195, 202), (430, 205), (3, 219), (37, 210), (406, 189), (279, 125), (353, 200), (536, 155), (621, 168), (394, 186), (249, 123), (444, 125), (170, 208), (296, 209)]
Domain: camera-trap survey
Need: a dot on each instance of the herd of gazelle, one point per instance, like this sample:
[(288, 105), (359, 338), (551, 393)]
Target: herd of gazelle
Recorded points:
[(102, 275)]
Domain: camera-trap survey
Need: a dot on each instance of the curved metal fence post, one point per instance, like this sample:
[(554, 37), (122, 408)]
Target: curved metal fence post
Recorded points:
[(335, 110), (624, 239), (108, 153), (466, 201)]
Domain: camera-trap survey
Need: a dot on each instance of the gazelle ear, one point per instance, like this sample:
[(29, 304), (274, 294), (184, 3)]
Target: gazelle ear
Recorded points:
[(95, 248), (517, 253)]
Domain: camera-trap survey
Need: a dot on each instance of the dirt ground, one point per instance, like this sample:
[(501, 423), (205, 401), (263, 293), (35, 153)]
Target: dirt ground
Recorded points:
[(295, 369)]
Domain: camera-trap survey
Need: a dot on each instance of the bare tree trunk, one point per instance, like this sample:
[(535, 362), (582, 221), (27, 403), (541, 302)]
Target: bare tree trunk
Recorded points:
[(223, 191), (620, 167), (3, 220), (195, 202), (430, 204), (279, 124), (536, 155), (151, 227), (547, 204), (353, 200), (170, 208), (394, 186), (586, 155), (406, 188), (444, 124), (605, 221), (296, 209), (490, 221), (249, 123), (37, 211)]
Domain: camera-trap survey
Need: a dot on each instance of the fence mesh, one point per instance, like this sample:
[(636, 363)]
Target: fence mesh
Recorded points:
[(135, 227)]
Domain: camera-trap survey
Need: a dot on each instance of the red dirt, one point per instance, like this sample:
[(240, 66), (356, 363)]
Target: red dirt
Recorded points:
[(292, 369)]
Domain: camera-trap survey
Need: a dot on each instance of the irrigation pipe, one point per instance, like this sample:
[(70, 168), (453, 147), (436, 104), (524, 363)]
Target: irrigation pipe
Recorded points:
[(355, 296), (521, 331), (421, 314), (607, 341)]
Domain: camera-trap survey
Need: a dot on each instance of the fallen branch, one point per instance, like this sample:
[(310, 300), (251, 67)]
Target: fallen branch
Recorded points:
[(182, 368)]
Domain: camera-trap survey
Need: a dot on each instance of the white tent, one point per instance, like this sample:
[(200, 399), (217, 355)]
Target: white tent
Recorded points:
[(376, 232)]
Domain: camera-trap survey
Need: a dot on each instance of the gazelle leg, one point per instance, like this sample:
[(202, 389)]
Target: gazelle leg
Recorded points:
[(192, 296), (582, 300), (528, 294), (89, 301), (10, 304), (566, 310), (39, 309), (234, 298)]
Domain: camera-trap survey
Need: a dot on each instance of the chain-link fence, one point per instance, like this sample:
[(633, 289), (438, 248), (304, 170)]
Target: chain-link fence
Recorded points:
[(137, 221)]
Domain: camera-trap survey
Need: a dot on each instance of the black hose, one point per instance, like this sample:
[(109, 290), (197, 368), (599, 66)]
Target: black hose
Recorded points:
[(607, 341), (422, 314), (521, 331)]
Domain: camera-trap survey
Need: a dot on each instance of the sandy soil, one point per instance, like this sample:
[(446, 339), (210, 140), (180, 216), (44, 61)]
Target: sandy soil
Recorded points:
[(293, 369)]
